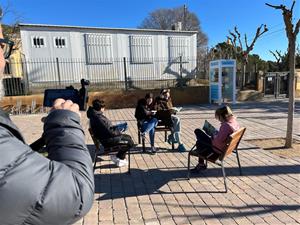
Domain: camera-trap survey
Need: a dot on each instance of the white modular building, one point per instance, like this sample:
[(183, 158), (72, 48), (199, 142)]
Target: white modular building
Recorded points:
[(69, 53)]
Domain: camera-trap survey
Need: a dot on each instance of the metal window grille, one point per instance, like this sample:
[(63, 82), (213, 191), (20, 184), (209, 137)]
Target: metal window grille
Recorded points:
[(60, 42), (178, 46), (141, 49), (98, 48), (38, 42)]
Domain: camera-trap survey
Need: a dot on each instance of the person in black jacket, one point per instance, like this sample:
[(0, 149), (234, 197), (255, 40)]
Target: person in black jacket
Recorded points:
[(108, 134), (145, 117), (35, 190), (166, 112)]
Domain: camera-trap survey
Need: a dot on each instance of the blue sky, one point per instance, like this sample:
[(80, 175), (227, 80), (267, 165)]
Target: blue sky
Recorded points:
[(216, 16)]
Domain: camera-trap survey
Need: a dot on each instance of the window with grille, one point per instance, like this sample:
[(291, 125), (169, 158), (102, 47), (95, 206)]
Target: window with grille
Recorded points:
[(60, 42), (178, 46), (38, 42), (98, 48), (141, 49)]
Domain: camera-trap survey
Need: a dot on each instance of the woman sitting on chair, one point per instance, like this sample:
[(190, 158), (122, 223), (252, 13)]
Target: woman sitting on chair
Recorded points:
[(166, 112), (145, 117), (208, 140)]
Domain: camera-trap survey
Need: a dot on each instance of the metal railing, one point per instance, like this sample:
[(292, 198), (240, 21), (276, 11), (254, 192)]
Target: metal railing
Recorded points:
[(36, 75)]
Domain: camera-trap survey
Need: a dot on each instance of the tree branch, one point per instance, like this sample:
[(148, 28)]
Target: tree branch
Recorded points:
[(293, 6), (287, 17), (297, 28), (233, 41), (239, 37), (246, 42), (276, 6), (257, 35), (275, 56)]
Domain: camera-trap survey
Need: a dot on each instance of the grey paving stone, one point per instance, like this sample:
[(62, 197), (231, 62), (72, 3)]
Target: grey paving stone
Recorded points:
[(157, 191)]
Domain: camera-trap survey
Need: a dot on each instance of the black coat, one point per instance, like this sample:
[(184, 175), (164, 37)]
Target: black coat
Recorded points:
[(35, 190), (142, 112), (102, 127)]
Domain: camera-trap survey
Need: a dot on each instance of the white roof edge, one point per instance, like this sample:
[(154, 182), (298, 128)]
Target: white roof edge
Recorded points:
[(102, 28)]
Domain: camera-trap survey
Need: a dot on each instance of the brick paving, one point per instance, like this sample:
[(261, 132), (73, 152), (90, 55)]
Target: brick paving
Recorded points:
[(157, 191)]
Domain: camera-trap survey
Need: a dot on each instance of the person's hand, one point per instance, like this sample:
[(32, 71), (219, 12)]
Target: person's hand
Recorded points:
[(66, 105), (63, 104)]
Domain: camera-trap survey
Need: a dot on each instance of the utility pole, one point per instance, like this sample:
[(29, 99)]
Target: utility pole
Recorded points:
[(184, 17)]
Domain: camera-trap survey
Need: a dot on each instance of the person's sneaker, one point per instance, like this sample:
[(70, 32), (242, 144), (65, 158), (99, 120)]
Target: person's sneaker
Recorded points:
[(122, 162), (181, 148), (115, 159), (153, 150), (171, 139), (198, 168)]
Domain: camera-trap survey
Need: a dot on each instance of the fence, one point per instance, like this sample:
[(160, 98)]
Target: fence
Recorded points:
[(40, 74), (36, 75)]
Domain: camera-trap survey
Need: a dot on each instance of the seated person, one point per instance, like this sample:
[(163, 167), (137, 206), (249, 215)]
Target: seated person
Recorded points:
[(108, 134), (165, 112), (145, 117), (217, 140)]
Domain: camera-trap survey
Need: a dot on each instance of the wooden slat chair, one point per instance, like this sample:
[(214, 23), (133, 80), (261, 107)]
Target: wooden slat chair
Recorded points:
[(232, 144), (159, 128), (108, 150)]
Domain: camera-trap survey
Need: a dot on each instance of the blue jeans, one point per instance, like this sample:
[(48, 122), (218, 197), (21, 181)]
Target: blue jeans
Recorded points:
[(149, 126), (121, 127)]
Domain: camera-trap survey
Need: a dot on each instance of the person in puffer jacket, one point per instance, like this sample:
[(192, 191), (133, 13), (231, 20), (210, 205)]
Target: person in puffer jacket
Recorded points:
[(35, 190)]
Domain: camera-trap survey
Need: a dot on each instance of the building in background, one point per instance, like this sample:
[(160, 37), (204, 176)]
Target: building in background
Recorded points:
[(69, 53)]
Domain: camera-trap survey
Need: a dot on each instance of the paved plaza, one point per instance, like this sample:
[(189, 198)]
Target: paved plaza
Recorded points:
[(157, 191)]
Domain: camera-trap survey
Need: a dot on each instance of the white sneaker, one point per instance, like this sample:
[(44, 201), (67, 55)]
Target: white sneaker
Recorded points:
[(114, 158), (122, 162)]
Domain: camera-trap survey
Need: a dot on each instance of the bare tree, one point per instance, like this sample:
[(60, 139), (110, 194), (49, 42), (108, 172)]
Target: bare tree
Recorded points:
[(164, 19), (280, 59), (11, 31), (239, 47), (291, 34)]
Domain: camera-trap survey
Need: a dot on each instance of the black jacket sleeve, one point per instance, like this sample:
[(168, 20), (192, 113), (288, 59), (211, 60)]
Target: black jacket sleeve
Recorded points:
[(109, 127), (71, 162), (37, 190)]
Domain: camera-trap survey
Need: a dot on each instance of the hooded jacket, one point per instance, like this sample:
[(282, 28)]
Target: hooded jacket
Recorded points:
[(36, 190)]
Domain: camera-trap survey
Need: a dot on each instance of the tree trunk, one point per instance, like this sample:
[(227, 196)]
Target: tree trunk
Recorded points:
[(289, 130), (243, 77)]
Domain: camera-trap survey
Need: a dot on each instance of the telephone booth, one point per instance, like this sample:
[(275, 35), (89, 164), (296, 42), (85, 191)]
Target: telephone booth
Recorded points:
[(222, 81)]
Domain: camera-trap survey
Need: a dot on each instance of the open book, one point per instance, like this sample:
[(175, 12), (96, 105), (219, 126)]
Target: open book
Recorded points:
[(176, 109), (209, 128)]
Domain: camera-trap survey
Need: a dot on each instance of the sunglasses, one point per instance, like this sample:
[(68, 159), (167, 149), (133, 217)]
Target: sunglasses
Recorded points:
[(7, 46)]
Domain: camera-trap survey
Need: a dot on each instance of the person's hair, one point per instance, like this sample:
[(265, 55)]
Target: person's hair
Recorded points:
[(142, 102), (223, 113), (148, 95), (98, 104), (164, 90)]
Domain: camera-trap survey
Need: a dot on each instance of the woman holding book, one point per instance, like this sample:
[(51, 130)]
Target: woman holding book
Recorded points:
[(209, 139), (166, 112)]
